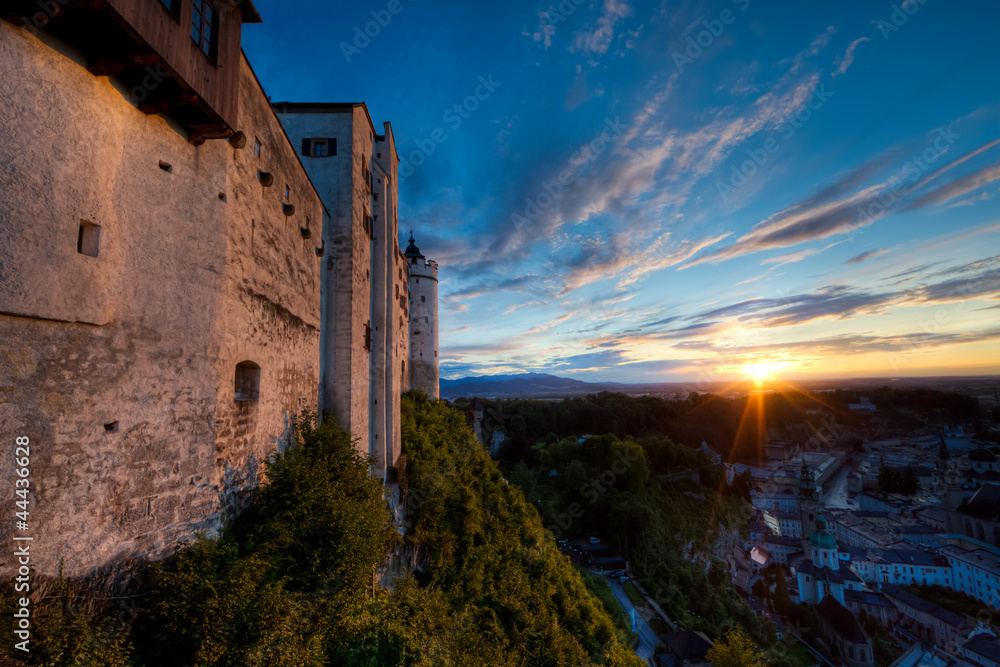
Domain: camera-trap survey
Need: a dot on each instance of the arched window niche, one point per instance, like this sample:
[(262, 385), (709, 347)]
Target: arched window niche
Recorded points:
[(247, 381)]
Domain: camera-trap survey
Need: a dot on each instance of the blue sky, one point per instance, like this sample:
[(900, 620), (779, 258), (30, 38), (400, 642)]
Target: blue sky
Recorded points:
[(673, 191)]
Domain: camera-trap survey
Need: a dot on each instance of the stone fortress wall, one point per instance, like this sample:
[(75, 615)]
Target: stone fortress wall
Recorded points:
[(171, 300)]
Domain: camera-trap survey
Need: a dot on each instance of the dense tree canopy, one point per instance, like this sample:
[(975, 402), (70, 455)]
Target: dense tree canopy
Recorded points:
[(735, 427)]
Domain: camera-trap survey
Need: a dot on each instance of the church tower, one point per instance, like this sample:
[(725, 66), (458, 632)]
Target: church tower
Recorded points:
[(809, 505), (423, 288), (822, 575), (823, 546), (949, 487)]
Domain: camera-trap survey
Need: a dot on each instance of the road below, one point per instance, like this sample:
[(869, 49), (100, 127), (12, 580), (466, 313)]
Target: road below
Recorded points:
[(648, 640), (835, 493)]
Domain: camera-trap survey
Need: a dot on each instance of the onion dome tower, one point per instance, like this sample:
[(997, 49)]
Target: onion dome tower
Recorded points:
[(423, 289)]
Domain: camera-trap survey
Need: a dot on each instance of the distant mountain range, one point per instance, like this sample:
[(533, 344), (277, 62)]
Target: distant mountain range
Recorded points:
[(527, 385), (544, 385)]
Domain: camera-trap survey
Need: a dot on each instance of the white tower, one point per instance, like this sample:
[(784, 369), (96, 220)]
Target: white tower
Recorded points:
[(423, 284)]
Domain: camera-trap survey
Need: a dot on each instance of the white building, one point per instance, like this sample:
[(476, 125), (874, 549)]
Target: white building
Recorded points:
[(975, 573), (423, 322)]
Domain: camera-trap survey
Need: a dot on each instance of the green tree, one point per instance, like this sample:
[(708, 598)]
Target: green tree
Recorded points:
[(736, 650), (782, 600), (909, 484), (889, 481)]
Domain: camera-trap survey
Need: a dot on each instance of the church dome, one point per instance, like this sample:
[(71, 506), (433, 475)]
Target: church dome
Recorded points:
[(822, 539)]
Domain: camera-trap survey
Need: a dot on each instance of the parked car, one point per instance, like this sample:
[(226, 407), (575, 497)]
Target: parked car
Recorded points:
[(622, 579), (595, 540)]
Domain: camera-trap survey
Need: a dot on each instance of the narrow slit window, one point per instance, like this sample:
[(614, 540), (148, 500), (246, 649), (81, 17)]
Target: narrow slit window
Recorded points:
[(88, 241), (247, 381)]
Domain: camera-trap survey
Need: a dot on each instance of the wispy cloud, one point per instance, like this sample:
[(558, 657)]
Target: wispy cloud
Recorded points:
[(515, 284), (545, 30), (853, 344), (793, 257), (551, 323), (526, 304), (848, 57), (958, 187), (868, 254), (841, 208), (598, 40)]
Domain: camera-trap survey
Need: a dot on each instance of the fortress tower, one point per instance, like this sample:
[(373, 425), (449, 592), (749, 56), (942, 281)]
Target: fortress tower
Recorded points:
[(364, 343), (423, 321)]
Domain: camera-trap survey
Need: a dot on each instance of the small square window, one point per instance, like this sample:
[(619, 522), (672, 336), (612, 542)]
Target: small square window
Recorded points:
[(319, 148), (89, 240)]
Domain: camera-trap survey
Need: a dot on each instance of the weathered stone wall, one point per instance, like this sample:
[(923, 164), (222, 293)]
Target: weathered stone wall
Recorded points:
[(271, 305), (120, 367)]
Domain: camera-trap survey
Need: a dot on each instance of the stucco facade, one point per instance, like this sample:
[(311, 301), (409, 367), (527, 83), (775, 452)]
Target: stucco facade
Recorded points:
[(365, 337)]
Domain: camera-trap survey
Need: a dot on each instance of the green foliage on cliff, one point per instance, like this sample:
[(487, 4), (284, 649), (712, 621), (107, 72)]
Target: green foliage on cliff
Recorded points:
[(665, 508), (489, 557), (294, 581)]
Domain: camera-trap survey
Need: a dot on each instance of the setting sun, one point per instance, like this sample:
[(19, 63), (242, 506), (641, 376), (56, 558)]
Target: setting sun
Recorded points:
[(759, 372)]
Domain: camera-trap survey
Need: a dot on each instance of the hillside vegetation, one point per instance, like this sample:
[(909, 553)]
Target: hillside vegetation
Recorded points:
[(674, 532), (293, 581), (667, 508)]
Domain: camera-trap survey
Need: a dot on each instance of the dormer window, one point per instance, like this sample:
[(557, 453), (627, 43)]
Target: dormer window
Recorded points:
[(205, 27)]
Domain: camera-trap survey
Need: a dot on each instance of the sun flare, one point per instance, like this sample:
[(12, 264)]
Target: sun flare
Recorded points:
[(759, 372)]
